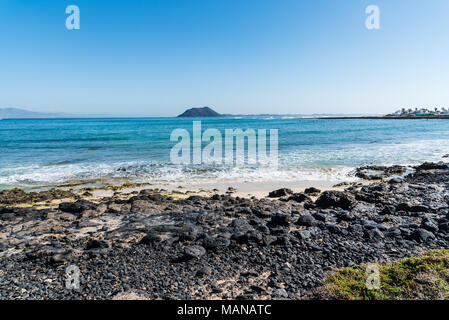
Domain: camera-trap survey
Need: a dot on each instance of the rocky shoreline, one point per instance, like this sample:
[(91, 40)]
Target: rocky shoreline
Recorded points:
[(153, 246)]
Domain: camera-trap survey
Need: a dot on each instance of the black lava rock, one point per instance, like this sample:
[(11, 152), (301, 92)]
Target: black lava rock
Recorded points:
[(422, 235), (299, 197), (214, 243), (307, 221), (281, 219), (312, 191), (336, 199), (194, 252), (77, 207), (97, 244), (280, 193)]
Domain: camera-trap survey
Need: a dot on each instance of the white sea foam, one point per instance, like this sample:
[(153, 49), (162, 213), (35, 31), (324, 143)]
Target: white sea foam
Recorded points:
[(301, 165), (149, 173)]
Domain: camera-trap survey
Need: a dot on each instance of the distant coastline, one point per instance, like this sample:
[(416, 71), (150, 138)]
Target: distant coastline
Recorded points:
[(18, 113), (417, 113), (387, 117)]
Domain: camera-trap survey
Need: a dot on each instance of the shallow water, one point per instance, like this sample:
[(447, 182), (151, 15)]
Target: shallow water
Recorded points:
[(36, 152)]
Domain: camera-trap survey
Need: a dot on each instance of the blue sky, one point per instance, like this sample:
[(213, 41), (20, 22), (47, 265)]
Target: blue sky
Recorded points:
[(158, 57)]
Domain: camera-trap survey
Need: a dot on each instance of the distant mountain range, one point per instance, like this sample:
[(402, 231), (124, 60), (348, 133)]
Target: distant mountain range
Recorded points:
[(16, 113)]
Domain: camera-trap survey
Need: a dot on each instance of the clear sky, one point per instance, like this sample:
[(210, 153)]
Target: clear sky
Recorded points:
[(158, 57)]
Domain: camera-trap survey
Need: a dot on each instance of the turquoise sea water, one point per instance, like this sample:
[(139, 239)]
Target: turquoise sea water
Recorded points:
[(41, 152)]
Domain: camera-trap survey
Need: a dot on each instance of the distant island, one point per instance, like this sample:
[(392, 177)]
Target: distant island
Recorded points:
[(200, 112)]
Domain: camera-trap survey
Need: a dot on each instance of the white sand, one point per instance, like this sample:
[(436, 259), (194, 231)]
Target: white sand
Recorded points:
[(241, 189)]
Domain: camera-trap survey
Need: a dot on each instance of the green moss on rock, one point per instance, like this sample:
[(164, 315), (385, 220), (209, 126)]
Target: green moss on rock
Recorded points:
[(19, 196), (422, 277)]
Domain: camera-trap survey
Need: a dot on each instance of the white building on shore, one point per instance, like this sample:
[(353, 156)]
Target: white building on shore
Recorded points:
[(420, 112)]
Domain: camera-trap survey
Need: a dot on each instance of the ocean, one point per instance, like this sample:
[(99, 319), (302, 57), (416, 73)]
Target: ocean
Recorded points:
[(37, 153)]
